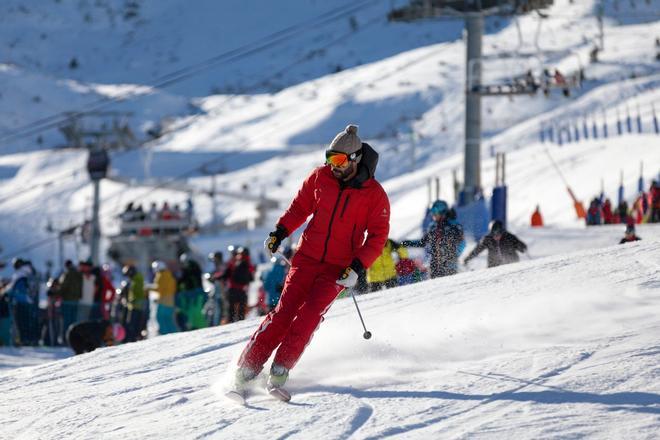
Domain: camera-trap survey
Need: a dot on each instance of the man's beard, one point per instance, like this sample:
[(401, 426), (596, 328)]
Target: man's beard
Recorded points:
[(342, 174)]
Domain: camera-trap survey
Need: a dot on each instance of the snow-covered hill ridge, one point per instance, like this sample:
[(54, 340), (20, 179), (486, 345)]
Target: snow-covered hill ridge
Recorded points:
[(565, 346), (190, 50)]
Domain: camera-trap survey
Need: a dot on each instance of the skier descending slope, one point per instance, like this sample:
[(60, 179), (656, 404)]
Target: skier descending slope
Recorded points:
[(346, 201)]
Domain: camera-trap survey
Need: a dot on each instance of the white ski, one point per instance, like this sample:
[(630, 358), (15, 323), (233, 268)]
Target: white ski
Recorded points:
[(279, 393), (236, 396)]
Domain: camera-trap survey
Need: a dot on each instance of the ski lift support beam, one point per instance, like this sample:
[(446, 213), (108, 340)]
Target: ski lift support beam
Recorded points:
[(472, 12)]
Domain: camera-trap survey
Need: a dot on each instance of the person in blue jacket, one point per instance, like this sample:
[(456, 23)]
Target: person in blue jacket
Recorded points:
[(273, 279), (22, 296)]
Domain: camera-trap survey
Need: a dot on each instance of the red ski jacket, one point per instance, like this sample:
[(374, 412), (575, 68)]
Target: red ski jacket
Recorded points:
[(342, 215), (228, 275)]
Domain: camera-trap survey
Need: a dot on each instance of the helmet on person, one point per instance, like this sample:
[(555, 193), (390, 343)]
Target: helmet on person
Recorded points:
[(439, 207), (243, 251), (216, 256), (183, 258), (497, 227), (17, 262), (158, 266), (630, 229)]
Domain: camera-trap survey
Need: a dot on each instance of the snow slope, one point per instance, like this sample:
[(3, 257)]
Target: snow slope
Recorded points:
[(563, 346), (178, 52)]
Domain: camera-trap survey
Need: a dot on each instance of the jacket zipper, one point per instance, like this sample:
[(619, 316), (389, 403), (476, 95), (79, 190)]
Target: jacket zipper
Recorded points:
[(345, 205), (332, 219), (352, 237)]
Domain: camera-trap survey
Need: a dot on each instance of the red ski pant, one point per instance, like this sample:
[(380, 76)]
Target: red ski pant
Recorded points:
[(309, 290)]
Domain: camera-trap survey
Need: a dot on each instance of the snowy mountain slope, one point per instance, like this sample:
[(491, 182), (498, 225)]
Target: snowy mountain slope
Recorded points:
[(138, 41), (406, 94), (564, 346), (191, 51)]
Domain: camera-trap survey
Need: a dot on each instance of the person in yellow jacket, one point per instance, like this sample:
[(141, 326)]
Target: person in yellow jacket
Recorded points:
[(382, 273), (165, 284), (136, 303)]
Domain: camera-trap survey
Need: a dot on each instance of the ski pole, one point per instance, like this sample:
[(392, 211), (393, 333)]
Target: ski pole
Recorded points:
[(367, 333), (284, 258)]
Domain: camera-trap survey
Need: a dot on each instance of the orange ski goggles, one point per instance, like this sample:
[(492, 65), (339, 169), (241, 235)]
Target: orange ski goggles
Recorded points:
[(338, 159)]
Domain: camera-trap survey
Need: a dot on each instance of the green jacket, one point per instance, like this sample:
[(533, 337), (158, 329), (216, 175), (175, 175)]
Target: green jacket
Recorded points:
[(71, 285), (136, 294)]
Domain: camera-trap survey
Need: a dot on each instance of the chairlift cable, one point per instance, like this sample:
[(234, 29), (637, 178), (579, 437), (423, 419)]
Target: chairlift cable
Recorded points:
[(163, 184), (190, 71)]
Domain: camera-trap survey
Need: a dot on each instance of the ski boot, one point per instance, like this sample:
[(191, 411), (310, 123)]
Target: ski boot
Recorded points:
[(276, 380), (242, 380)]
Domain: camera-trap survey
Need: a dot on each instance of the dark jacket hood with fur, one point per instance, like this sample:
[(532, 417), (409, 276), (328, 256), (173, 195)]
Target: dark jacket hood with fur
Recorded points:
[(366, 166)]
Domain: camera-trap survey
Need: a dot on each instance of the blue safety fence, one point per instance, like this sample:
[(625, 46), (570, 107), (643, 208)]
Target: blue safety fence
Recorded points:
[(596, 126), (498, 204), (474, 217)]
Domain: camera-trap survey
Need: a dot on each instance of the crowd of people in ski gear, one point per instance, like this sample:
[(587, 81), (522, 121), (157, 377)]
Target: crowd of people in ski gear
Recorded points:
[(157, 220), (135, 212), (40, 309), (644, 209)]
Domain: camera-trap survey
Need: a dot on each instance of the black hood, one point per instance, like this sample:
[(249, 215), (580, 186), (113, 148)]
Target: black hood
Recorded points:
[(366, 166)]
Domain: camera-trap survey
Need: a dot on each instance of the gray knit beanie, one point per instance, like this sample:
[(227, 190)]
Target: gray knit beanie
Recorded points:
[(347, 141)]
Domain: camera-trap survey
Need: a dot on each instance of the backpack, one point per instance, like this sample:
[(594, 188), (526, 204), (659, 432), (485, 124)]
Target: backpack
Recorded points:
[(241, 273)]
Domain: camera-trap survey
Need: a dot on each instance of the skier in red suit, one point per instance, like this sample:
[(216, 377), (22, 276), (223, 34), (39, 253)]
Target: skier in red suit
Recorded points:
[(345, 202)]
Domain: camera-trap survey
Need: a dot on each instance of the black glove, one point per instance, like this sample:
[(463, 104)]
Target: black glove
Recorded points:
[(274, 239), (356, 265), (349, 277)]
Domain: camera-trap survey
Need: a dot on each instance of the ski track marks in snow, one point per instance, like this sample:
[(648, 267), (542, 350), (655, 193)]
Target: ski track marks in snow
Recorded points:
[(533, 350), (465, 420)]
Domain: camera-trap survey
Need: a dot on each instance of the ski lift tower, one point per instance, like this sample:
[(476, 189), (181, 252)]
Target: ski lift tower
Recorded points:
[(473, 13)]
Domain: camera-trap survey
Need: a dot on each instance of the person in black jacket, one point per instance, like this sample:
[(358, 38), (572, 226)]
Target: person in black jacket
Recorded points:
[(630, 235), (503, 246), (87, 336)]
